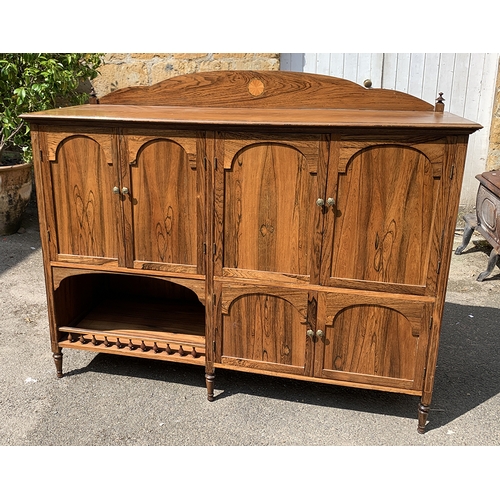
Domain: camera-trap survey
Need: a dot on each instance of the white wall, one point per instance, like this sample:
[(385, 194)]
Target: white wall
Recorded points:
[(466, 80)]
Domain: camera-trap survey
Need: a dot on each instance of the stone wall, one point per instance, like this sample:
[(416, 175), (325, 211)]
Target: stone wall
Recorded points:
[(127, 70)]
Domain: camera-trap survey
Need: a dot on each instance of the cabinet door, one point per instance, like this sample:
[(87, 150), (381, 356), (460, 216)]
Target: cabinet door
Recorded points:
[(384, 231), (166, 185), (266, 192), (82, 210), (264, 328), (375, 340)]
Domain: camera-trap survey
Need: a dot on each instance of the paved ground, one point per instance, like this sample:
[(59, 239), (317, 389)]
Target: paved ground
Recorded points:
[(110, 400)]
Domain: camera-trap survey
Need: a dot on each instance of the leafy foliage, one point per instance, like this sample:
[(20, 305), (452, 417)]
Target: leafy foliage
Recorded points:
[(34, 82)]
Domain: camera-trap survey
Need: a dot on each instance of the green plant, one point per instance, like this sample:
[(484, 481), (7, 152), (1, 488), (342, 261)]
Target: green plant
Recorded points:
[(34, 82)]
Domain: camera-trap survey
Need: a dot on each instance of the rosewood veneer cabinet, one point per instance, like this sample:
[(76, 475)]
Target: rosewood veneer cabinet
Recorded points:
[(279, 223)]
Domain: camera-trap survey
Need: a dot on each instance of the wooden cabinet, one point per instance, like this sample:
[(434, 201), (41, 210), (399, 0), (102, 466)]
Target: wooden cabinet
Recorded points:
[(133, 198), (279, 223), (119, 205)]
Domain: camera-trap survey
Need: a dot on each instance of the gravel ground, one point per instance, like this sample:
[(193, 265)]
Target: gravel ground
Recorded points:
[(111, 401)]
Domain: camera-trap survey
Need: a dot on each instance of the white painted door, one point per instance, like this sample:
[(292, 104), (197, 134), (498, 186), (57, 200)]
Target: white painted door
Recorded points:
[(466, 80)]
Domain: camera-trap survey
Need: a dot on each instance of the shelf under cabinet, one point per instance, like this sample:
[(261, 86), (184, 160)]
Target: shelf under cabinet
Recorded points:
[(166, 329)]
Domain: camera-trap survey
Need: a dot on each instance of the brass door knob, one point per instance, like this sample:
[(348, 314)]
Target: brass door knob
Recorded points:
[(330, 202), (124, 190), (320, 333), (320, 202), (310, 333), (116, 190)]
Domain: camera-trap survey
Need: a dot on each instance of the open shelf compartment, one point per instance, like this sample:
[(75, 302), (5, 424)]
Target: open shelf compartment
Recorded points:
[(130, 315)]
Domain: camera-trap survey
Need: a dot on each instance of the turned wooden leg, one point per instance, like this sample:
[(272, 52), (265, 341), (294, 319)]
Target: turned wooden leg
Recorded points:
[(210, 377), (491, 265), (58, 358), (468, 231), (423, 412)]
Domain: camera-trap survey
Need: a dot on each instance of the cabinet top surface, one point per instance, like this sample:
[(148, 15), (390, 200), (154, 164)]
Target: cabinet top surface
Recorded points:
[(282, 117), (261, 98)]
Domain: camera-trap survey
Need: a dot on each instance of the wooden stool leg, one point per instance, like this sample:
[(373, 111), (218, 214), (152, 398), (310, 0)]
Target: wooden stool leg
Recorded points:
[(210, 377), (491, 265), (423, 412), (58, 358)]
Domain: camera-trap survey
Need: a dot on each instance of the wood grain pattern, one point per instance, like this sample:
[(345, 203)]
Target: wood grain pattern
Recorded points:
[(371, 340), (45, 218), (413, 308), (427, 144), (307, 145), (164, 204), (453, 173), (264, 329), (385, 212), (138, 137), (308, 119), (266, 89), (83, 201), (377, 337), (146, 318), (56, 136), (269, 199), (195, 283), (232, 290), (404, 387)]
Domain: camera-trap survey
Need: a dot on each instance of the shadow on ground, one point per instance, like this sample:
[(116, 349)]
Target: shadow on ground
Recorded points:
[(482, 246), (24, 242), (466, 377)]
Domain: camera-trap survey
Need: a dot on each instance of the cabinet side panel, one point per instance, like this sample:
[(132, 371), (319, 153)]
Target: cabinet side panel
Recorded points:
[(82, 179), (453, 173)]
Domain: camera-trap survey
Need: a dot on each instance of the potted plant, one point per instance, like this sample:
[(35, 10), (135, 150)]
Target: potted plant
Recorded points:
[(32, 82)]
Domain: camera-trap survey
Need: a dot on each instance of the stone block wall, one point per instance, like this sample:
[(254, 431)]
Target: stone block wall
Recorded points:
[(127, 70)]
